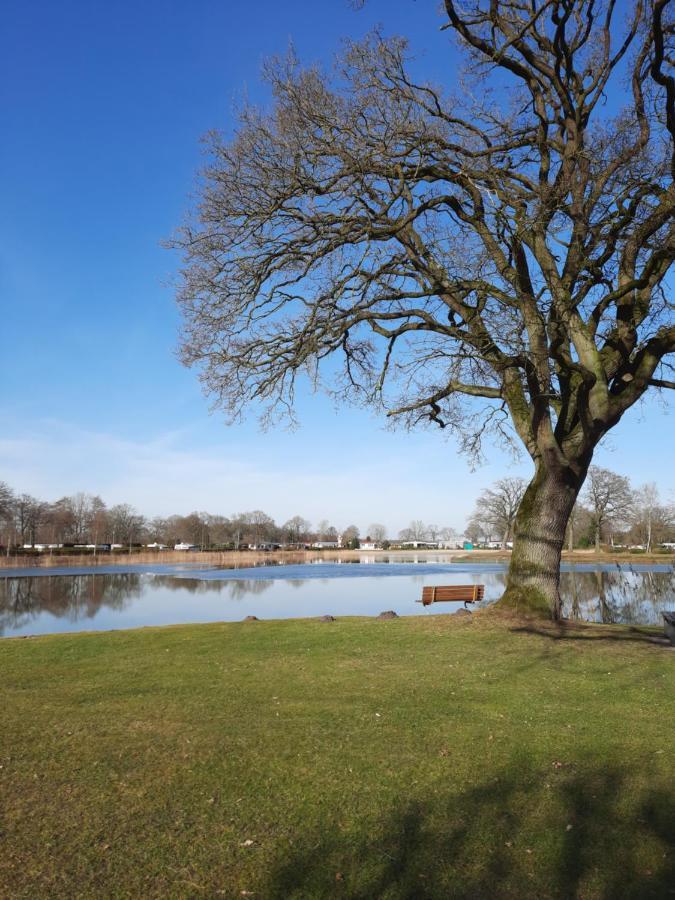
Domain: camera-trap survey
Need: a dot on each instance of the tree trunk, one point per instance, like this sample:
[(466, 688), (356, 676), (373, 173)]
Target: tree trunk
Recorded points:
[(533, 579)]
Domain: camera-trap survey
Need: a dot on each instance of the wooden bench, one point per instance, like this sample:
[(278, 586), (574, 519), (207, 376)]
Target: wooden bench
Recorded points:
[(453, 593)]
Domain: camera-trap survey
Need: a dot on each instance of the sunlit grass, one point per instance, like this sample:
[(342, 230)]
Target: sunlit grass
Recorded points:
[(421, 757)]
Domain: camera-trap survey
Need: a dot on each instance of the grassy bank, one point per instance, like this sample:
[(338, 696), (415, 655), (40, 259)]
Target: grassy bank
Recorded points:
[(425, 757)]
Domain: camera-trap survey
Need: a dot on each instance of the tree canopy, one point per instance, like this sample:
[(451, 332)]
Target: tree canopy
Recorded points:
[(492, 258)]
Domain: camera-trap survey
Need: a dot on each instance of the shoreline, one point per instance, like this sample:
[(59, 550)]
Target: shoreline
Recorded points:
[(248, 558)]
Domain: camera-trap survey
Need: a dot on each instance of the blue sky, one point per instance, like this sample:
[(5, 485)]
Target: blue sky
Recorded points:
[(103, 106)]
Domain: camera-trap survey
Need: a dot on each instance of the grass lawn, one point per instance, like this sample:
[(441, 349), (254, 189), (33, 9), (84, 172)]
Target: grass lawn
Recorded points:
[(423, 757)]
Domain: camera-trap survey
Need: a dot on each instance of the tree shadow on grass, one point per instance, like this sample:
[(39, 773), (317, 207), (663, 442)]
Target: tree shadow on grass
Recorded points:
[(574, 631), (559, 834)]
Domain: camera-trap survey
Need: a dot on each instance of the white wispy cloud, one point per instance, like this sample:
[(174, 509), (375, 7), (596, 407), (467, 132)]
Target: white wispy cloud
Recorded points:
[(166, 474)]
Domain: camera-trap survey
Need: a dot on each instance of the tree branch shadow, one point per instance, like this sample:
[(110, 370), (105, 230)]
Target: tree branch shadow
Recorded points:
[(567, 630), (521, 833)]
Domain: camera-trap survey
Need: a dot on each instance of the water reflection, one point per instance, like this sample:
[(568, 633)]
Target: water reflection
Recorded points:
[(623, 596), (74, 597), (234, 588), (48, 603)]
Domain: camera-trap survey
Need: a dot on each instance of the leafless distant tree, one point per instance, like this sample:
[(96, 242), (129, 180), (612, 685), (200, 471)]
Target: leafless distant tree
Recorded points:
[(609, 499), (578, 522), (297, 529), (258, 526), (478, 530), (193, 529), (490, 260), (125, 524), (6, 500), (377, 532), (498, 506), (220, 529), (350, 535), (28, 515), (416, 531), (652, 520), (325, 531)]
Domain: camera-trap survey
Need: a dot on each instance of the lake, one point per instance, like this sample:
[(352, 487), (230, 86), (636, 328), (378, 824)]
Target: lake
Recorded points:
[(47, 601)]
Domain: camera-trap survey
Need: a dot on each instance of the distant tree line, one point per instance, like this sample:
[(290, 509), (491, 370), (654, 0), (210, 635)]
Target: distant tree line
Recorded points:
[(85, 519), (609, 511)]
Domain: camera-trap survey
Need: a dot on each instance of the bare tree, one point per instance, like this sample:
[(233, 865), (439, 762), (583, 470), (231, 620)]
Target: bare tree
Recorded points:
[(125, 524), (6, 501), (238, 523), (297, 529), (491, 261), (578, 522), (377, 532), (498, 506), (219, 527), (257, 526), (321, 530), (194, 529), (416, 531), (645, 511), (609, 499), (97, 520), (80, 507), (350, 537), (652, 519), (29, 513), (477, 528)]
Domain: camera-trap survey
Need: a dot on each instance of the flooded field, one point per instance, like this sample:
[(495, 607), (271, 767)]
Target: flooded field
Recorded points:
[(49, 601)]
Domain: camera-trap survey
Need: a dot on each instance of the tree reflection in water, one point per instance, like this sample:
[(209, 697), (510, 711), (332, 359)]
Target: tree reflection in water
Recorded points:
[(74, 597), (235, 589), (621, 595)]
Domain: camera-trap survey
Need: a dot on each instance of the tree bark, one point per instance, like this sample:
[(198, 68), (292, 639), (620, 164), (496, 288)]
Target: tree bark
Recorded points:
[(533, 581)]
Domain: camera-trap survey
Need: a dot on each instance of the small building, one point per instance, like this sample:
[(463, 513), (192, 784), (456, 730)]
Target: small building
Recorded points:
[(42, 547), (419, 545), (184, 546), (455, 543), (326, 545)]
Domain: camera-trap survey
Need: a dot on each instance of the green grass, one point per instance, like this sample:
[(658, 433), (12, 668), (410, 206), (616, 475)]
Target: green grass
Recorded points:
[(424, 757)]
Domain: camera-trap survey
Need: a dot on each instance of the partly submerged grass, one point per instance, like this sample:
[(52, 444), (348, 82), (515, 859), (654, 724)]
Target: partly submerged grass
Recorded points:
[(420, 757)]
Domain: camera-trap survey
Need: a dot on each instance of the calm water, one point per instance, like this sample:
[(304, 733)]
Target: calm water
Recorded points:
[(42, 601)]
